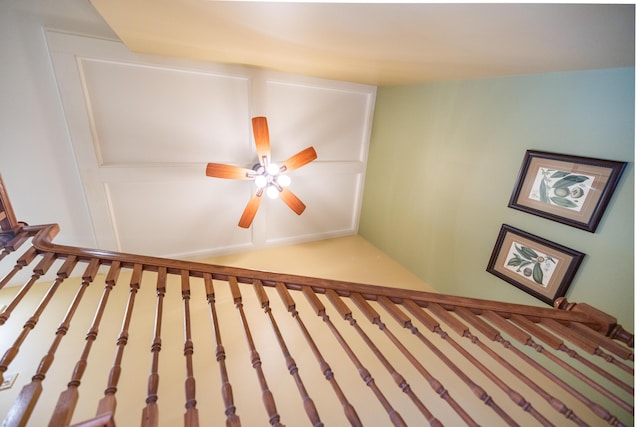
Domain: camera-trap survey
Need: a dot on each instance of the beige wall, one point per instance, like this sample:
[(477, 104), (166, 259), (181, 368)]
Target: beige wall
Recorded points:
[(443, 161), (350, 259)]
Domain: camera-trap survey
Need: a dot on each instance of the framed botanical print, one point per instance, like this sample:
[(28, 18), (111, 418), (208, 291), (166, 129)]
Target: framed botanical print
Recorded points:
[(572, 190), (537, 266)]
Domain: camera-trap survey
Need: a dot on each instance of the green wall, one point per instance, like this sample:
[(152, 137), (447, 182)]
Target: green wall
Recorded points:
[(443, 161)]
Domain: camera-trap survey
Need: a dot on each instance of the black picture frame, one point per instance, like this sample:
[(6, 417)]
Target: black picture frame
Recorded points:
[(571, 190), (537, 266)]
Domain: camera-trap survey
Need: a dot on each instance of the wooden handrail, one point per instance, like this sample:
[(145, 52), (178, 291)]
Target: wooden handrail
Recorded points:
[(43, 236)]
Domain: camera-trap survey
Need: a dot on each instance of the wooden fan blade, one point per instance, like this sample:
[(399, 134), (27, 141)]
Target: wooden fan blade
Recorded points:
[(292, 201), (300, 159), (250, 210), (218, 170), (261, 136)]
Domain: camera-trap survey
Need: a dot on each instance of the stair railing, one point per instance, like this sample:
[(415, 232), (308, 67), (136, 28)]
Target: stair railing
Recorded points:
[(382, 355)]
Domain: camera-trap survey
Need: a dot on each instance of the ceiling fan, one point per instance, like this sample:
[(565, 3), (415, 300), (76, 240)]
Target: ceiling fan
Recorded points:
[(269, 178)]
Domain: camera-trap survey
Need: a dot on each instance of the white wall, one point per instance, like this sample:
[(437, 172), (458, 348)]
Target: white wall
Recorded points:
[(36, 158)]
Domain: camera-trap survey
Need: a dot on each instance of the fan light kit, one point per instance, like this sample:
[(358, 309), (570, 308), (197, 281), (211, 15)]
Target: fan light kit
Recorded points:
[(269, 178)]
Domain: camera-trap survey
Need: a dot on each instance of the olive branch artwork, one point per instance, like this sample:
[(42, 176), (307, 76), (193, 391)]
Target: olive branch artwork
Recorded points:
[(572, 190), (560, 188), (530, 263), (533, 264)]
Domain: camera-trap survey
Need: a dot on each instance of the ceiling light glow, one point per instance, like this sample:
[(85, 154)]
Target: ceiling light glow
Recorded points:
[(261, 181), (284, 180), (273, 169), (272, 192)]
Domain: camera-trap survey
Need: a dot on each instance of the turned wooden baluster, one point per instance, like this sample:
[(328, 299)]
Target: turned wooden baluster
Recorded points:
[(13, 244), (433, 326), (267, 396), (308, 404), (515, 396), (107, 404), (24, 260), (40, 269), (69, 398), (605, 342), (520, 336), (320, 310), (23, 407), (372, 315), (150, 416), (349, 410), (557, 344), (590, 347), (227, 393), (585, 342), (191, 413), (470, 318)]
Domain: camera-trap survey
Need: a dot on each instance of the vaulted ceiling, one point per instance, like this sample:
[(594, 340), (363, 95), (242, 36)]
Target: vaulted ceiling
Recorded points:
[(144, 120), (381, 43)]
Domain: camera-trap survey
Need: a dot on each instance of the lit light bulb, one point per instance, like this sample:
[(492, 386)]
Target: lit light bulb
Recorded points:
[(272, 192), (284, 180), (273, 169), (261, 181)]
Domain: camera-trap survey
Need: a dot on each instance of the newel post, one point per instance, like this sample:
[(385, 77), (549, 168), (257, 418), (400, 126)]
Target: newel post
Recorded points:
[(9, 225), (603, 323)]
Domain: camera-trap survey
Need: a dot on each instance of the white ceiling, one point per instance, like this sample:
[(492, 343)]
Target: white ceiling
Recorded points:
[(381, 43), (144, 128)]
